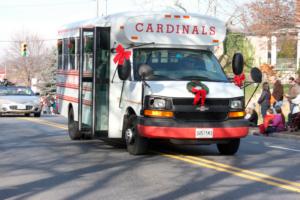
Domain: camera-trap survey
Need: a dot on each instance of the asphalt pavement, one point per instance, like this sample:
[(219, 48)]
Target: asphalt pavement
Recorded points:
[(39, 161)]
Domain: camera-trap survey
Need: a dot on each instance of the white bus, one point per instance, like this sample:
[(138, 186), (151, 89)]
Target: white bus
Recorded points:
[(151, 75)]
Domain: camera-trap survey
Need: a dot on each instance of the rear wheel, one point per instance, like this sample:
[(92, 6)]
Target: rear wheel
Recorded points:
[(37, 114), (229, 148), (73, 128), (136, 144)]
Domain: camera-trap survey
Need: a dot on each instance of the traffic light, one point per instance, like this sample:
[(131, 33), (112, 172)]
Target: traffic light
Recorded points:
[(24, 49)]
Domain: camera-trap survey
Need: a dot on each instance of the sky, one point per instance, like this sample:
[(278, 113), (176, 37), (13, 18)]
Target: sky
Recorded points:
[(44, 17)]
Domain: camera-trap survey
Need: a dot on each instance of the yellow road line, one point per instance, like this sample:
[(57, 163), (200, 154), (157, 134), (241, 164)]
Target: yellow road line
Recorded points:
[(240, 174), (247, 174), (53, 124), (245, 171)]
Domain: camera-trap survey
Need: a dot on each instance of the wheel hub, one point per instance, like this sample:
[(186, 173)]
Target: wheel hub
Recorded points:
[(129, 136)]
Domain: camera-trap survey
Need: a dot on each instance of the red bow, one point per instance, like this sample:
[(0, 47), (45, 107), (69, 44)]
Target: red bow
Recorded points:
[(121, 55), (199, 94), (239, 79)]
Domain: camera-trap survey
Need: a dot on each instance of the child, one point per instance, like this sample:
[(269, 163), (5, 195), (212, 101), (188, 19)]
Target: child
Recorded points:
[(278, 122), (251, 115), (268, 120)]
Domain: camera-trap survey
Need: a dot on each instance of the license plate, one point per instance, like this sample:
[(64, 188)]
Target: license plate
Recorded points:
[(204, 133), (21, 107)]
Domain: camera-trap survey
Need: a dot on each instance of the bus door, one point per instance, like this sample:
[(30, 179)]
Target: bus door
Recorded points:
[(94, 81), (101, 81), (86, 69)]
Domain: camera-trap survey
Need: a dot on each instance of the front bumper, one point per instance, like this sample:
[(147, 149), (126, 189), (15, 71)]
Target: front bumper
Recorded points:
[(15, 109), (177, 129)]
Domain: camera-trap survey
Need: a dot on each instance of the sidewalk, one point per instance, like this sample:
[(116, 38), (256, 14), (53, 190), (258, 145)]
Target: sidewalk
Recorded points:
[(284, 134)]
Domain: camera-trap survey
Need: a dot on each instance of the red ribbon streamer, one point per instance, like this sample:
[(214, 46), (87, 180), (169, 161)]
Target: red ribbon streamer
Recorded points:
[(239, 79), (122, 55), (199, 94)]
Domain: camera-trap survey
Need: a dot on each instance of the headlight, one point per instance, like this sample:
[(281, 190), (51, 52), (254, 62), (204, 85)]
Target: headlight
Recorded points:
[(236, 104), (159, 103)]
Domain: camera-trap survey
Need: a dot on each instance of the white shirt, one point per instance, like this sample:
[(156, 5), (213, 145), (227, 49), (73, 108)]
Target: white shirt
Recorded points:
[(296, 101)]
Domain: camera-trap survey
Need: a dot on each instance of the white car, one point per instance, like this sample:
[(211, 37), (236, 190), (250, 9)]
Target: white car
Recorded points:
[(19, 100)]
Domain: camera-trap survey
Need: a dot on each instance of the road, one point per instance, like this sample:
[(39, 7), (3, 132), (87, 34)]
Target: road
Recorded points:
[(39, 161)]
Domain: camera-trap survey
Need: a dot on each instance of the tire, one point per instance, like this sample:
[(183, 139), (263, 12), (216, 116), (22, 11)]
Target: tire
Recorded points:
[(37, 114), (73, 129), (136, 144), (229, 148), (27, 114)]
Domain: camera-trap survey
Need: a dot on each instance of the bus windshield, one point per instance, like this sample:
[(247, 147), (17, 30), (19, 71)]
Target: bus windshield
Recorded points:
[(179, 64)]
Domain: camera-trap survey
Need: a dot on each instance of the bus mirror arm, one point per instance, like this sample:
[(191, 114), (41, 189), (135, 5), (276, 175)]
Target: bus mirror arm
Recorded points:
[(145, 83), (250, 83)]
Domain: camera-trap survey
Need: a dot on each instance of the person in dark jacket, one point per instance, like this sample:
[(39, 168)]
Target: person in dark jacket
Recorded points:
[(264, 99), (277, 93), (251, 115)]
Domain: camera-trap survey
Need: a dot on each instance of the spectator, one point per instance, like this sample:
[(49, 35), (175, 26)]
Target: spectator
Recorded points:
[(45, 104), (295, 115), (264, 99), (251, 115), (277, 93), (268, 120), (294, 90), (278, 122)]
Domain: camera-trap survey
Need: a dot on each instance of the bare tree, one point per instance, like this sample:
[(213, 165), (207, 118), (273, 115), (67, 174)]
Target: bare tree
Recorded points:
[(262, 17), (39, 58)]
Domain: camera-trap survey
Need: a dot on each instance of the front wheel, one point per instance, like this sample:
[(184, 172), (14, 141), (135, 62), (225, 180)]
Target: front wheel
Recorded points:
[(136, 144), (73, 128), (37, 114), (229, 148)]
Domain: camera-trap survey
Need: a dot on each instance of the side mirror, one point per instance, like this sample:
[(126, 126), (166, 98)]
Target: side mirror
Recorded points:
[(145, 71), (237, 63), (37, 94), (124, 70), (256, 75)]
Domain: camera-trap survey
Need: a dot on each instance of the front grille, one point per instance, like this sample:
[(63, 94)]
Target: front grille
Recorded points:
[(13, 107), (201, 116), (185, 110), (189, 101), (16, 107), (29, 107)]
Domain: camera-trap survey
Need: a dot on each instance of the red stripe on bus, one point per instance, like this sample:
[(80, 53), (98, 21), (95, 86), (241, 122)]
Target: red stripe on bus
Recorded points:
[(69, 72), (73, 99), (73, 86), (74, 73)]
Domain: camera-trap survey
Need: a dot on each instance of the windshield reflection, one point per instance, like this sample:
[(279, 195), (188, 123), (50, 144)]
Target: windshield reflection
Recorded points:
[(7, 91), (179, 64)]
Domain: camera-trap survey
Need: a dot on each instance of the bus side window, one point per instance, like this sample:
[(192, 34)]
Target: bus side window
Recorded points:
[(77, 53), (71, 48), (59, 54), (65, 54)]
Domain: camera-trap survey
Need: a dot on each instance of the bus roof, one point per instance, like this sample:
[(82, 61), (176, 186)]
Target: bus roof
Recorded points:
[(159, 27)]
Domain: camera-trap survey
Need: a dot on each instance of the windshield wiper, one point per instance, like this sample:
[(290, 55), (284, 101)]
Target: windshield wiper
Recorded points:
[(201, 78), (160, 77)]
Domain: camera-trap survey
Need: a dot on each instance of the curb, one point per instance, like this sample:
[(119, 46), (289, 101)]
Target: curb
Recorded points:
[(285, 134)]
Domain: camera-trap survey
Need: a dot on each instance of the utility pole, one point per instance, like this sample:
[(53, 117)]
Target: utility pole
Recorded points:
[(97, 8), (212, 8), (104, 12)]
